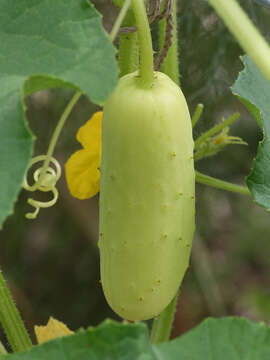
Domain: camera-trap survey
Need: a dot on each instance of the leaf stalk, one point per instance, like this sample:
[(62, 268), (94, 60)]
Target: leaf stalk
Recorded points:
[(245, 32), (11, 320), (220, 184)]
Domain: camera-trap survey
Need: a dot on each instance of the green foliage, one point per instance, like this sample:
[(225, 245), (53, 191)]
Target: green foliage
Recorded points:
[(110, 340), (48, 44), (220, 339), (252, 88), (69, 49), (223, 339)]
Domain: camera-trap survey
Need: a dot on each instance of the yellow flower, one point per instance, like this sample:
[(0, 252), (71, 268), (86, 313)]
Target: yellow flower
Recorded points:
[(52, 330), (82, 168)]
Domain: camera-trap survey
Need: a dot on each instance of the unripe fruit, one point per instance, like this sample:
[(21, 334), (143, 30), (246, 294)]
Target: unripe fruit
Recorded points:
[(146, 196)]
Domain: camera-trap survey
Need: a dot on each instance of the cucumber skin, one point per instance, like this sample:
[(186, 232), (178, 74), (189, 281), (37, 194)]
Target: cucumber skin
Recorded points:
[(147, 204)]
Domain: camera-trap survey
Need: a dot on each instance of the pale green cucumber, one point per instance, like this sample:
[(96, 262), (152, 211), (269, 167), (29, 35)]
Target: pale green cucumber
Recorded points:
[(146, 196)]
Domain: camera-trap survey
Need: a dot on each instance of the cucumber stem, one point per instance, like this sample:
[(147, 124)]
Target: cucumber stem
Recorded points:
[(161, 328), (128, 49), (119, 20), (197, 114), (220, 184), (128, 55), (170, 65), (11, 320), (245, 32), (146, 68)]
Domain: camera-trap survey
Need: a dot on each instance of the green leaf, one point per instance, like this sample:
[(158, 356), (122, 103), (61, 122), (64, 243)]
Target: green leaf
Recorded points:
[(220, 339), (110, 340), (45, 43), (253, 90)]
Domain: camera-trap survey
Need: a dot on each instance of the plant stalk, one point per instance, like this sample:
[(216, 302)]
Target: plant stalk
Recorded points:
[(170, 65), (128, 49), (119, 20), (220, 184), (215, 129), (56, 134), (11, 320), (197, 114), (146, 68), (128, 54), (161, 329), (245, 32)]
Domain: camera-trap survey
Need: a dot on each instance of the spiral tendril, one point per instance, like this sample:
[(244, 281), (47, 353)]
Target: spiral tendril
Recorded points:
[(46, 177), (45, 180)]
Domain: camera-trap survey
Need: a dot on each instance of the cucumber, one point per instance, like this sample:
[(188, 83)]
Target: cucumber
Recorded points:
[(147, 205)]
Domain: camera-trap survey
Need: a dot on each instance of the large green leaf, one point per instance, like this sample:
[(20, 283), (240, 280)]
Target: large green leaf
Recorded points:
[(218, 339), (254, 91), (110, 340), (45, 43)]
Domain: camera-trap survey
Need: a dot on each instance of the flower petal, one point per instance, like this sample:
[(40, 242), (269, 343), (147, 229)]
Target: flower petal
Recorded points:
[(89, 135), (52, 330), (82, 173)]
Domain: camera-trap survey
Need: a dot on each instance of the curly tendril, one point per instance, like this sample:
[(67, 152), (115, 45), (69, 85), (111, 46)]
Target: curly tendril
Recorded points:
[(46, 177), (45, 180)]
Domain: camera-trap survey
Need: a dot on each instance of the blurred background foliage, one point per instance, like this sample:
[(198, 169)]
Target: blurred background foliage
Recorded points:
[(52, 263)]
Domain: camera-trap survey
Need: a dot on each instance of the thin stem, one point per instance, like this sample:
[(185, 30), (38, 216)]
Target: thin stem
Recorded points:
[(11, 321), (215, 129), (197, 114), (146, 69), (56, 134), (161, 329), (245, 32), (128, 54), (119, 20), (170, 65), (220, 184), (128, 49)]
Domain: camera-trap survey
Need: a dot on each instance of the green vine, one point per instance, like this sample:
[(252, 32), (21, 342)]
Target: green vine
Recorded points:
[(197, 114), (46, 177), (128, 50), (146, 67), (119, 19), (220, 184), (245, 32), (161, 329), (11, 321), (170, 65)]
